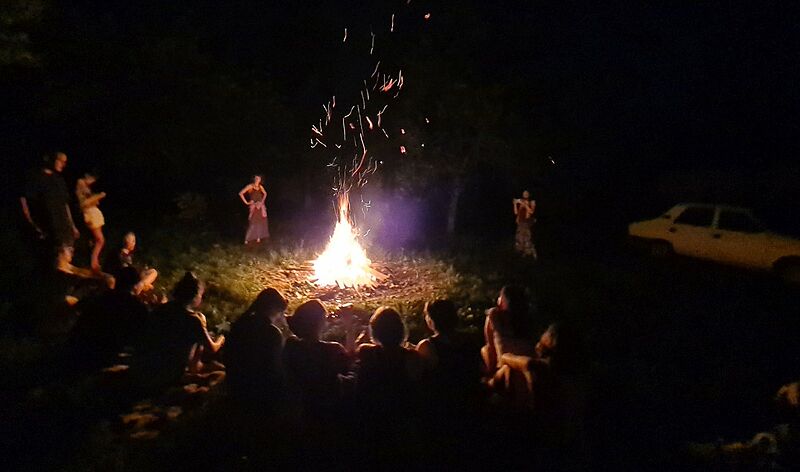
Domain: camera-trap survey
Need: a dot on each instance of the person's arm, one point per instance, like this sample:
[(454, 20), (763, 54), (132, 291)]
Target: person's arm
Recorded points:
[(26, 212), (93, 200), (205, 336), (532, 207), (491, 353), (350, 327), (516, 205), (427, 353), (244, 191), (75, 233)]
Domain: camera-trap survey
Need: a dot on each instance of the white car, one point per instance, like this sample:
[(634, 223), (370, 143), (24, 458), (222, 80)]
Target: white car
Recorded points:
[(719, 233)]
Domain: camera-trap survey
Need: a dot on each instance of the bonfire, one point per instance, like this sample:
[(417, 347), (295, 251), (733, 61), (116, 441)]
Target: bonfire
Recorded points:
[(344, 262)]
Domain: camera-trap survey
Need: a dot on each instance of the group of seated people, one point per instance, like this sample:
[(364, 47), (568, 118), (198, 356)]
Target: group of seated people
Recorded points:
[(367, 371)]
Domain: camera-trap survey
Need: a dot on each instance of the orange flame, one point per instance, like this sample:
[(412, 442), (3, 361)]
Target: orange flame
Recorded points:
[(344, 262)]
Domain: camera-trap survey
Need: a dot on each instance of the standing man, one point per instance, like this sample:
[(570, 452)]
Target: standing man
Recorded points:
[(524, 209), (45, 204)]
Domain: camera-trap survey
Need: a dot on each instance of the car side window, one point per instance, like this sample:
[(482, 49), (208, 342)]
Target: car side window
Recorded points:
[(738, 221), (696, 216)]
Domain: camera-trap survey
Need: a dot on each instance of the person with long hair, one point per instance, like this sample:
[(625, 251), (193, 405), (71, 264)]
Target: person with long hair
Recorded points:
[(254, 346), (92, 215), (254, 196), (508, 328), (524, 209)]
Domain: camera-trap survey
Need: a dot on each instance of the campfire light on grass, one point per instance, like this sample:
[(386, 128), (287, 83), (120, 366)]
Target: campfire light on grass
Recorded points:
[(344, 261)]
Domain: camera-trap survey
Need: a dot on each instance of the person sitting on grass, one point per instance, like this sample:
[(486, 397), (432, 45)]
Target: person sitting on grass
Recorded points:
[(452, 368), (508, 329), (108, 323), (557, 386), (387, 372), (64, 287), (177, 338), (147, 275), (253, 349), (314, 366), (72, 282)]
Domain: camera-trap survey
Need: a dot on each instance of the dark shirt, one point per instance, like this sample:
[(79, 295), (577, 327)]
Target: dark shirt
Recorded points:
[(124, 259), (313, 368), (387, 380), (253, 357), (172, 332), (108, 323), (455, 379), (47, 198)]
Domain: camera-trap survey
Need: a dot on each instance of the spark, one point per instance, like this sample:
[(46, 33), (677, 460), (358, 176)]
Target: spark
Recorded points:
[(391, 28), (376, 69), (400, 79), (316, 130), (366, 89), (369, 122), (427, 16), (380, 113), (402, 149), (385, 133), (402, 131), (363, 102), (345, 35), (427, 120), (372, 47), (551, 160), (388, 86)]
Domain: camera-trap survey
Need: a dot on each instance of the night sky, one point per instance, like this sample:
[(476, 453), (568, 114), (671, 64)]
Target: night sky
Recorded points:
[(657, 100)]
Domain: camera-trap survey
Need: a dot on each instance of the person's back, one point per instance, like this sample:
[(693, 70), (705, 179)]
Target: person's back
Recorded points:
[(107, 324), (164, 353), (387, 379), (313, 368), (252, 356), (458, 365)]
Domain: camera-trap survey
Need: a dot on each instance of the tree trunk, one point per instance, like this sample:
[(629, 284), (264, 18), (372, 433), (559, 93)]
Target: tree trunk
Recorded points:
[(452, 209)]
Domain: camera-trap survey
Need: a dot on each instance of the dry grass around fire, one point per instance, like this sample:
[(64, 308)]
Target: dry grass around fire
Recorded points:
[(234, 274)]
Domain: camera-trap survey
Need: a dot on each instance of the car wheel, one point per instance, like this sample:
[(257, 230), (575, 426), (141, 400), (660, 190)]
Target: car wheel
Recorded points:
[(790, 273), (660, 249)]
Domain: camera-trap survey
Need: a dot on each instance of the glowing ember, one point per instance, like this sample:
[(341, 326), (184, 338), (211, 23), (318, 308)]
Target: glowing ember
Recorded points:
[(344, 262)]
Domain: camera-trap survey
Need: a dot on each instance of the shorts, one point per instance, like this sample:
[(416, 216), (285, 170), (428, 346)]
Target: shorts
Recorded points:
[(93, 218)]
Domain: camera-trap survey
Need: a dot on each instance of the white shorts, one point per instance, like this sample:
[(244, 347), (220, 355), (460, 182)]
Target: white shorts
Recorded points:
[(93, 218)]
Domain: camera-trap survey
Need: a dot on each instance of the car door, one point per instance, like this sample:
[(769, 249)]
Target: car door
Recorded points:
[(740, 239), (690, 233)]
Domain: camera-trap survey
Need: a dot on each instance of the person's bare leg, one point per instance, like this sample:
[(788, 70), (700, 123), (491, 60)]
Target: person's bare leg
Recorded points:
[(99, 242)]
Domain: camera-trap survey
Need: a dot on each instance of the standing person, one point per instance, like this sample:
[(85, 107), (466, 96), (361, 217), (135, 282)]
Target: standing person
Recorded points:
[(524, 209), (92, 215), (45, 204), (254, 196)]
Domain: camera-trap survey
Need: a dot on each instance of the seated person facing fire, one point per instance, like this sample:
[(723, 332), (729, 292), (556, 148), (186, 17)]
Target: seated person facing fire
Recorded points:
[(253, 349), (314, 366), (177, 338), (147, 275), (387, 372)]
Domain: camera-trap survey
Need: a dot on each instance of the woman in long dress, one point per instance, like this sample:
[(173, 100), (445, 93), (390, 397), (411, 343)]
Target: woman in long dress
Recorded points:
[(92, 215), (523, 209), (254, 196)]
